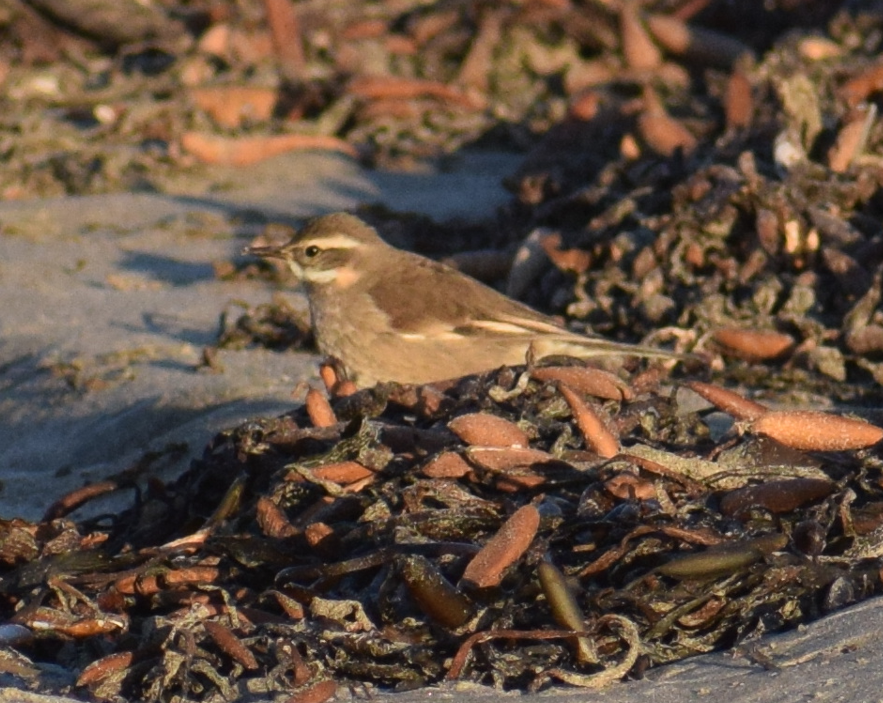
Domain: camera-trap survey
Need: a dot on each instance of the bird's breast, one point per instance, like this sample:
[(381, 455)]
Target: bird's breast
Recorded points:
[(347, 327)]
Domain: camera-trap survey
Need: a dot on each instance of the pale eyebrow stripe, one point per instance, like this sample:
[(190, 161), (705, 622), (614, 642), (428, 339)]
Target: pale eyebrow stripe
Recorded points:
[(334, 241)]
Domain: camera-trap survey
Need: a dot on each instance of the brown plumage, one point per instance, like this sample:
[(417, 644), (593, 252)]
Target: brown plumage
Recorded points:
[(391, 315)]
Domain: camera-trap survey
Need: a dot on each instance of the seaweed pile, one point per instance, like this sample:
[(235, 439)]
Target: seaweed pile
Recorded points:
[(103, 96), (526, 526), (531, 525)]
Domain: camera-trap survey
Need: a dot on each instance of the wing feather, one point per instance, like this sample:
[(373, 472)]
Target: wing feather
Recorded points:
[(460, 304), (463, 307)]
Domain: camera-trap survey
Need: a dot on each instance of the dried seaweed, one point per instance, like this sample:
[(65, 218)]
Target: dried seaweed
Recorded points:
[(263, 566), (529, 526)]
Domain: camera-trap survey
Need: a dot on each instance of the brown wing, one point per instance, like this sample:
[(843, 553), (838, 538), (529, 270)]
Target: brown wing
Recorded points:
[(451, 302)]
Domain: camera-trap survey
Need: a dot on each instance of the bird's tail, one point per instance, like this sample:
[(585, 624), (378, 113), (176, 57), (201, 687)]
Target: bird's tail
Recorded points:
[(588, 347)]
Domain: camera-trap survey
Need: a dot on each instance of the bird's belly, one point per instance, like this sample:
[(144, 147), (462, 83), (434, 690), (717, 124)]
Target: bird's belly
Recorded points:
[(414, 360)]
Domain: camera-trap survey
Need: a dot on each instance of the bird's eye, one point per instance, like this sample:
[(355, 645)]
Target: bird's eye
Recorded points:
[(312, 251)]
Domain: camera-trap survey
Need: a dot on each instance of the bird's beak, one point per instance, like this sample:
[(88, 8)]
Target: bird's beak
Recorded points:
[(267, 252)]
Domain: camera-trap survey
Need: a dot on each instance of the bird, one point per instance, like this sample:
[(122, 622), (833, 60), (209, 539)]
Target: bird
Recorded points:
[(389, 315)]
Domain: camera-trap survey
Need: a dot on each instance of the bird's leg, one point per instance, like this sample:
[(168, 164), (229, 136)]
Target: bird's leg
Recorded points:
[(531, 356)]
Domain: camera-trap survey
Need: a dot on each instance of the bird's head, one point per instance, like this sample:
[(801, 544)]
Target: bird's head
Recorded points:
[(332, 250)]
